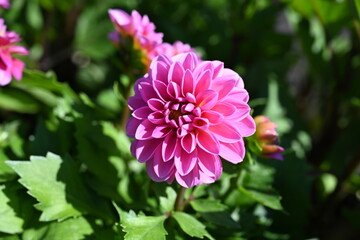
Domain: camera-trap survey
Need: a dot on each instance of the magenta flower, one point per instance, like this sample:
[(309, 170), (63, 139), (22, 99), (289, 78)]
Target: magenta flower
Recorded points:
[(138, 27), (187, 114), (10, 66), (171, 50), (4, 3)]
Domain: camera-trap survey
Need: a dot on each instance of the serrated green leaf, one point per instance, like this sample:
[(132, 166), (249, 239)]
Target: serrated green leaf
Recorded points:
[(143, 227), (9, 221), (267, 198), (167, 203), (56, 184), (207, 205), (70, 229), (191, 226)]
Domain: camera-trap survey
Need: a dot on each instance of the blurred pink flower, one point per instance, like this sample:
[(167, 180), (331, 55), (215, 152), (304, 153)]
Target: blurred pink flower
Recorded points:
[(187, 114), (171, 50), (139, 28), (267, 138), (10, 66), (4, 3)]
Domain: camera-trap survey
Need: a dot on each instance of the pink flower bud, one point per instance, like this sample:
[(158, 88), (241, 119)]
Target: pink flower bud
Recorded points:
[(267, 138)]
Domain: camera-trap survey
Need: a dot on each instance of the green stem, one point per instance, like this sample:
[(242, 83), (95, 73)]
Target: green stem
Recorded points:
[(180, 200)]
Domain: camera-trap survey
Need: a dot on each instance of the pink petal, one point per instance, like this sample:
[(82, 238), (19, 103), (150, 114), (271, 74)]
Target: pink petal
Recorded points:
[(203, 82), (155, 104), (189, 61), (187, 83), (17, 69), (223, 86), (169, 146), (224, 108), (228, 73), (146, 91), (246, 126), (213, 117), (135, 102), (119, 17), (144, 130), (206, 99), (188, 142), (161, 90), (5, 78), (210, 164), (131, 125), (161, 131), (225, 132), (19, 50), (188, 180), (157, 118), (185, 162), (176, 73), (240, 95), (201, 123), (159, 71), (150, 168), (218, 67), (142, 112), (233, 152), (208, 142), (145, 149), (204, 178), (162, 169), (173, 89)]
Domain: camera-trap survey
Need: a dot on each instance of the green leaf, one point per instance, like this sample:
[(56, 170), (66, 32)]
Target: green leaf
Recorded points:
[(9, 221), (6, 173), (143, 227), (70, 229), (207, 205), (17, 100), (167, 203), (191, 226), (103, 149), (57, 185), (267, 198)]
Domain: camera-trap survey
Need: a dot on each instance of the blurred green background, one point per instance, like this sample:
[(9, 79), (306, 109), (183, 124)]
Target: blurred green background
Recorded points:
[(300, 61)]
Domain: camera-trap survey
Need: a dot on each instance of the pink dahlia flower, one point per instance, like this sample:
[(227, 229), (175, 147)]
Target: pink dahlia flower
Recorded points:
[(10, 66), (136, 26), (4, 3), (171, 50), (186, 115), (267, 138)]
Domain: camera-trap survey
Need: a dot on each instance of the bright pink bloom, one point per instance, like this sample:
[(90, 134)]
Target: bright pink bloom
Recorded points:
[(4, 3), (136, 26), (187, 114), (10, 66), (174, 49)]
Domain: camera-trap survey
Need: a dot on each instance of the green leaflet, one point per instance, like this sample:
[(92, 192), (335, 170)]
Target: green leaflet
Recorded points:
[(143, 227), (191, 226), (57, 185)]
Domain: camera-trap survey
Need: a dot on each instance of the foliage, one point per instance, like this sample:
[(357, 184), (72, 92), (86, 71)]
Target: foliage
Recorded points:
[(66, 171)]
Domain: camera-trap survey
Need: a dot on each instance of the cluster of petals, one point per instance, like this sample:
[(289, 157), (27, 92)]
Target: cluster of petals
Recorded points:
[(187, 114), (4, 3), (143, 33), (267, 138), (10, 66)]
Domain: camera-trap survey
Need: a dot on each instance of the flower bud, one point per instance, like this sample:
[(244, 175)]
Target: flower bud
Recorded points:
[(267, 138)]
